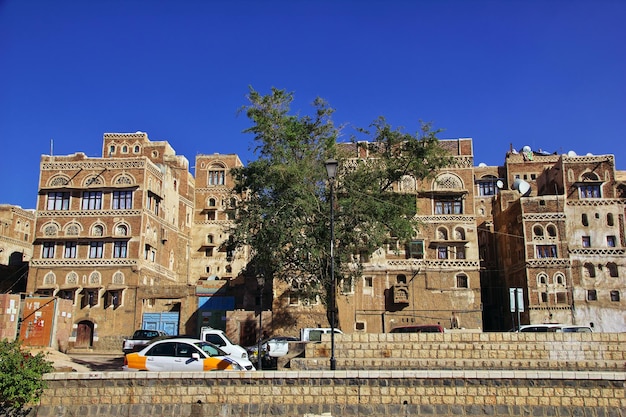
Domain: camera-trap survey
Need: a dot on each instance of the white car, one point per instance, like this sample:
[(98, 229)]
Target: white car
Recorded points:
[(182, 355)]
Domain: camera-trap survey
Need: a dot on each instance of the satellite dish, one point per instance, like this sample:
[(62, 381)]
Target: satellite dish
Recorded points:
[(522, 186), (482, 165), (526, 149), (589, 154), (571, 154), (500, 184)]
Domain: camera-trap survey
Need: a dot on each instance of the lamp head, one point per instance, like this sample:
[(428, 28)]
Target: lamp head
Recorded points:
[(331, 168)]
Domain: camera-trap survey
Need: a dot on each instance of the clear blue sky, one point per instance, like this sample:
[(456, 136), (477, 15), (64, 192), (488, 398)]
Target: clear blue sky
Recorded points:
[(550, 74)]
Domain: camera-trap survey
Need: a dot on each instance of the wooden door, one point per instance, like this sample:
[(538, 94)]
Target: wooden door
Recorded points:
[(84, 335)]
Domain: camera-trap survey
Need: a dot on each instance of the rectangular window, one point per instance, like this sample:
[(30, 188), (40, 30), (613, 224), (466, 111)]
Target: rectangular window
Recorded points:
[(122, 200), (70, 250), (442, 252), (150, 253), (586, 241), (66, 294), (561, 298), (589, 191), (120, 249), (113, 298), (610, 241), (90, 297), (460, 252), (416, 249), (216, 177), (96, 249), (48, 250), (462, 281), (486, 188), (592, 295), (368, 282), (449, 205), (58, 201), (546, 251), (92, 200)]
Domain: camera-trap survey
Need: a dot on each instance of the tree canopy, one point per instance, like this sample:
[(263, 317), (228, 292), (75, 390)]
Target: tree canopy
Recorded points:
[(285, 217)]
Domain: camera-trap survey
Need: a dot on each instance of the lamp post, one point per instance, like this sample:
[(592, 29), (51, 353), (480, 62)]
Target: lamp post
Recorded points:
[(260, 280), (331, 170)]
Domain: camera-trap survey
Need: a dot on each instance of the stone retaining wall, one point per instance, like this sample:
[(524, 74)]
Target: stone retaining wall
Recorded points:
[(340, 393), (558, 351)]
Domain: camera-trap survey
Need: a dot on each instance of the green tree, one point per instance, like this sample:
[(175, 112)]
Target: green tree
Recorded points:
[(285, 217), (21, 374)]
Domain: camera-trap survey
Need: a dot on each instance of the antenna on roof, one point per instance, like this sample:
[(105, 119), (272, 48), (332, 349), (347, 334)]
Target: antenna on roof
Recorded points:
[(51, 147)]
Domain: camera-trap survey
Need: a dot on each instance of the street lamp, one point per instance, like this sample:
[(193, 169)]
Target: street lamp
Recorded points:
[(260, 280), (331, 170)]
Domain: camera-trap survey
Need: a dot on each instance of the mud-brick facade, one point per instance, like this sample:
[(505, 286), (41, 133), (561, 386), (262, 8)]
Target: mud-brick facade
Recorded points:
[(559, 221), (112, 235), (16, 246), (226, 297), (435, 278)]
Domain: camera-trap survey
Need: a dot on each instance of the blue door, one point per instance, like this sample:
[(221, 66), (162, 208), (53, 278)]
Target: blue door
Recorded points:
[(167, 322)]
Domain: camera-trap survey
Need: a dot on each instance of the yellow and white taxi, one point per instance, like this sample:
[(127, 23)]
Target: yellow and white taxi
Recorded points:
[(180, 355)]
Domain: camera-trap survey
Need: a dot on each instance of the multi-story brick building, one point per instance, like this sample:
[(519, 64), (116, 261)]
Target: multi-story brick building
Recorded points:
[(112, 234), (435, 278), (560, 238), (132, 238)]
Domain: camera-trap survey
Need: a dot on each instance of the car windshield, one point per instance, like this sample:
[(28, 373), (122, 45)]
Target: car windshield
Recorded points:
[(145, 334), (209, 349)]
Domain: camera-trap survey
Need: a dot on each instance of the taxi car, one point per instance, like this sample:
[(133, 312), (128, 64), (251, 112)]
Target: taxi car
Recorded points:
[(180, 355)]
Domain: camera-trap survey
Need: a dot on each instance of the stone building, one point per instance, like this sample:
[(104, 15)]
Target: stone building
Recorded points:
[(112, 234), (559, 222), (435, 278), (16, 247), (226, 297)]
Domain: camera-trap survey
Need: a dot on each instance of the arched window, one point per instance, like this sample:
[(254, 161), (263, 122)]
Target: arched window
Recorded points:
[(459, 233), (559, 279), (209, 239), (212, 202), (442, 233), (551, 230), (612, 267), (585, 220), (538, 231), (589, 270), (401, 279), (542, 279)]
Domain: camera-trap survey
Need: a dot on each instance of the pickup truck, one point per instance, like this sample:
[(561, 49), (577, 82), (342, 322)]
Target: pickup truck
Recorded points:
[(140, 339), (219, 339)]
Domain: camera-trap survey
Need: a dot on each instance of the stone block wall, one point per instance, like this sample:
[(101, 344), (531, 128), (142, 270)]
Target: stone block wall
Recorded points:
[(556, 351), (339, 393)]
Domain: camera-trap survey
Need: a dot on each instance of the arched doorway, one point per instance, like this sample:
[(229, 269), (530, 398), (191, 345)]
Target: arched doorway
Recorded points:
[(84, 334)]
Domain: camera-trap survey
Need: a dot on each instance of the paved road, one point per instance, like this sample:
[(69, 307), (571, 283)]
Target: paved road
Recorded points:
[(99, 362)]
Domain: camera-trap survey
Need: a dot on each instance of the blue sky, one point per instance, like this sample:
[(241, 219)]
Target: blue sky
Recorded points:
[(550, 74)]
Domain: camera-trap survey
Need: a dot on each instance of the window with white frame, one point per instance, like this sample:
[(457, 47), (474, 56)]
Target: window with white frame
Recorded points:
[(92, 200), (70, 250), (96, 250), (58, 201), (48, 250), (122, 200)]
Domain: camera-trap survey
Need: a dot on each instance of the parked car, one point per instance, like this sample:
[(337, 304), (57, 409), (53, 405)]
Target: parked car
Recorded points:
[(576, 329), (538, 328), (181, 354), (140, 339), (427, 328), (271, 349), (218, 338), (315, 334)]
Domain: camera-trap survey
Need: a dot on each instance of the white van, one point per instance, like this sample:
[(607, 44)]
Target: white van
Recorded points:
[(219, 339), (314, 334)]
